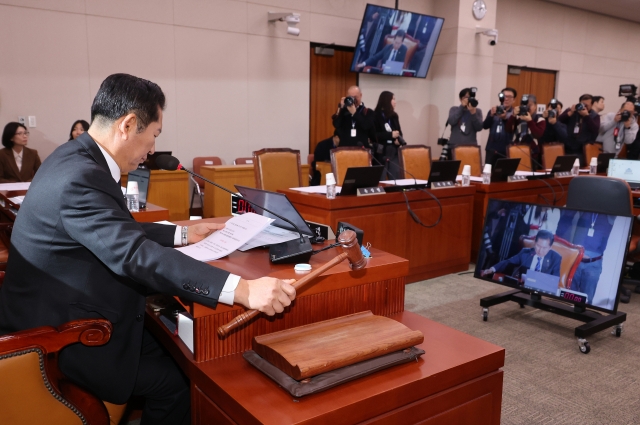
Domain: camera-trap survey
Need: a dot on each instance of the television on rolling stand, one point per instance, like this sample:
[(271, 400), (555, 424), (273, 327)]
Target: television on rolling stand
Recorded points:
[(396, 42)]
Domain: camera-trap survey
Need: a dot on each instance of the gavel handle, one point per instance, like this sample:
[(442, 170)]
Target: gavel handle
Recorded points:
[(248, 315)]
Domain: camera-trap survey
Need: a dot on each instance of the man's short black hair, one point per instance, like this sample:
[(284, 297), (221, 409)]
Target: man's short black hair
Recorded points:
[(512, 90), (586, 97), (545, 234), (597, 99), (122, 94), (464, 92), (400, 33), (9, 131)]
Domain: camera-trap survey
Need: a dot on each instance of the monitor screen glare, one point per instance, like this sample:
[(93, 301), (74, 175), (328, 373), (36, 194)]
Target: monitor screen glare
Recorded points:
[(575, 256)]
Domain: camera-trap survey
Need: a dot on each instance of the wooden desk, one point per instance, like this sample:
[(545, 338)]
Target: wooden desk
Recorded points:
[(524, 191), (168, 189), (458, 380), (217, 202), (9, 209), (387, 225)]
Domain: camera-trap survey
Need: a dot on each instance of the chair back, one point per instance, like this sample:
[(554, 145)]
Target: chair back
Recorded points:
[(415, 159), (310, 161), (243, 161), (469, 155), (524, 153), (622, 154), (571, 256), (199, 161), (604, 195), (32, 388), (277, 168), (592, 150), (347, 157), (551, 151)]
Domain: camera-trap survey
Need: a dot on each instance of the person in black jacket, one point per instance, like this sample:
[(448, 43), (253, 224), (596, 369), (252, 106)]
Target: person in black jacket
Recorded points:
[(583, 126), (500, 126), (388, 134), (354, 122), (322, 153)]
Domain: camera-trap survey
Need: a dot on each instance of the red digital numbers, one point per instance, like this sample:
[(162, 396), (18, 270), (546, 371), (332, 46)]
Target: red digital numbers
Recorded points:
[(572, 297), (244, 207)]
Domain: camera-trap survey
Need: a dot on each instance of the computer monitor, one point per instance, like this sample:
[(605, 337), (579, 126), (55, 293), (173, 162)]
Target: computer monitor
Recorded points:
[(150, 162), (572, 255), (563, 163), (504, 168), (625, 169), (279, 204), (443, 171), (141, 175), (359, 177), (603, 162)]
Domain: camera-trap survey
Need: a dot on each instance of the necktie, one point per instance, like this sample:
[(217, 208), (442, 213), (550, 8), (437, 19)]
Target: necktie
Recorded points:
[(393, 55), (538, 264)]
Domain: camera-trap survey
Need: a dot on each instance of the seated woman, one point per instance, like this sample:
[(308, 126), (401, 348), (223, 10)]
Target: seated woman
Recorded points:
[(78, 127), (18, 163)]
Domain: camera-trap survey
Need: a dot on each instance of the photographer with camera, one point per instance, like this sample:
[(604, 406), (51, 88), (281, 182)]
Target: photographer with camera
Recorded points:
[(530, 126), (388, 134), (583, 126), (554, 131), (465, 120), (354, 121), (618, 128), (501, 122)]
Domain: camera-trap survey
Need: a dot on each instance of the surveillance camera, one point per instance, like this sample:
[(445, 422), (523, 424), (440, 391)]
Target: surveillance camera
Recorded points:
[(293, 31), (489, 32), (292, 19), (493, 43)]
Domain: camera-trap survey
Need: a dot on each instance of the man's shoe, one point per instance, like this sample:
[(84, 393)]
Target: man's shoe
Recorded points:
[(625, 298)]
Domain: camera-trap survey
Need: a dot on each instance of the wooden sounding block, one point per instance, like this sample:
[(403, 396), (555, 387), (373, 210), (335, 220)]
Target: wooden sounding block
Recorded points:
[(321, 347)]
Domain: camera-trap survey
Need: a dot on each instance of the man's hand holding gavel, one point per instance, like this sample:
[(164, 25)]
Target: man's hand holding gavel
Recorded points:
[(267, 294)]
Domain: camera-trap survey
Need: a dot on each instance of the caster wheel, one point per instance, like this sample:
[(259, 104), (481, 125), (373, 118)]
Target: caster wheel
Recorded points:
[(485, 314), (617, 331), (521, 305), (585, 348)]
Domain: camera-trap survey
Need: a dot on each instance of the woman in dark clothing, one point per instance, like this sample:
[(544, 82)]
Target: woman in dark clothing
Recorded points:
[(388, 134)]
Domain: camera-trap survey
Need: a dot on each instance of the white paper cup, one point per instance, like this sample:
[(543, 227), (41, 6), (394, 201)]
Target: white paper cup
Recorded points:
[(594, 161), (132, 188), (466, 170), (487, 168), (330, 179)]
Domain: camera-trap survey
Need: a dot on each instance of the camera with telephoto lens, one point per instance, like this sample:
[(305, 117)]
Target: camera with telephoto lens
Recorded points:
[(524, 106), (499, 110), (349, 100), (580, 106), (624, 116), (472, 97), (630, 91)]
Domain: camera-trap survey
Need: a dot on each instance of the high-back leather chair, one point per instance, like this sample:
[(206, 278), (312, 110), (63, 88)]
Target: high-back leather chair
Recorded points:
[(592, 150), (571, 256), (243, 161), (551, 151), (276, 169), (468, 155), (32, 388), (524, 153), (198, 187), (415, 160), (347, 157)]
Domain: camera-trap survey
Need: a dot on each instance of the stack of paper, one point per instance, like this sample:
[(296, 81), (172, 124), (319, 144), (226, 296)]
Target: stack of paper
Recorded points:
[(15, 186), (237, 231), (270, 236), (17, 200)]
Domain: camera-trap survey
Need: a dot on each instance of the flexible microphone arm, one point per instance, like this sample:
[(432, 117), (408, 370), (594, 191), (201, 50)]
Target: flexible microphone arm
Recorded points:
[(166, 162), (395, 183)]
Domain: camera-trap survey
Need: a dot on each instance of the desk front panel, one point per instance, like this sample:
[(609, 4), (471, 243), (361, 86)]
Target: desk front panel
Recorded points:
[(533, 191), (170, 190), (387, 225)]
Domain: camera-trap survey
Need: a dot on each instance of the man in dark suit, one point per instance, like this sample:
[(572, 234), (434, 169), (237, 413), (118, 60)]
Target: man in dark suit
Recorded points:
[(322, 153), (540, 258), (394, 52), (76, 253)]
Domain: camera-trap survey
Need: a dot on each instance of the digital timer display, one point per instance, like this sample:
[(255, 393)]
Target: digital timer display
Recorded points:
[(572, 296), (244, 207)]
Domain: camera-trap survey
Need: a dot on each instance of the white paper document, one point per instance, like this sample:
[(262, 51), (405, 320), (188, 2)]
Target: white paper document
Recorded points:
[(315, 189), (471, 178), (528, 173), (269, 236), (237, 231), (15, 186), (17, 199), (404, 182)]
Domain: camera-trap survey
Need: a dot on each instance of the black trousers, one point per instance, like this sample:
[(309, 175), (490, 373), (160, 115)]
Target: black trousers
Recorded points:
[(163, 385)]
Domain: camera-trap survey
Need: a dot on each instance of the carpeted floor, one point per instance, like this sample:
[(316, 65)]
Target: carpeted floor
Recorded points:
[(546, 378)]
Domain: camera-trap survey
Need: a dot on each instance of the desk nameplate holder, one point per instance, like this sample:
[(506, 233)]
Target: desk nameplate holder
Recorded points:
[(516, 178), (368, 191), (443, 185), (562, 174)]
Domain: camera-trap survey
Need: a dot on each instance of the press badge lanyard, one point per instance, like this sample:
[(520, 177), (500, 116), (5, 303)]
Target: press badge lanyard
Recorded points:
[(387, 126), (576, 129), (591, 231), (353, 121)]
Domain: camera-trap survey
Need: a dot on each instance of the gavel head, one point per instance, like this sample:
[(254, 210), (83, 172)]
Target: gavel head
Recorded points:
[(349, 243)]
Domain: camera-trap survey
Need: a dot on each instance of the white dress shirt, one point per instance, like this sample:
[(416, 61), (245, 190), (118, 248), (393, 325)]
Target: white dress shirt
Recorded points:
[(229, 289), (18, 157)]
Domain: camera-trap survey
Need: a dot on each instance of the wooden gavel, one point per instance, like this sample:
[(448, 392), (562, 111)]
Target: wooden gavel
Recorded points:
[(351, 251)]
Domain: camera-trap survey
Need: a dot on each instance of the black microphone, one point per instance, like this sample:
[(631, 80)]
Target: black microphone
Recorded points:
[(395, 183), (284, 252)]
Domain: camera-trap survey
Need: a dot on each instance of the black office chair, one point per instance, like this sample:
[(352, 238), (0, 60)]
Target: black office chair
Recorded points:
[(605, 195)]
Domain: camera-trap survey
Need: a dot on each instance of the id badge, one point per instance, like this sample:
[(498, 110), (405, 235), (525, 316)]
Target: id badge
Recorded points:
[(462, 127), (353, 132), (576, 129), (591, 232), (499, 129), (387, 127)]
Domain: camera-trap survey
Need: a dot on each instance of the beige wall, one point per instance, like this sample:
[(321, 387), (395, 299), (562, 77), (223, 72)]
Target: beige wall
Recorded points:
[(235, 83)]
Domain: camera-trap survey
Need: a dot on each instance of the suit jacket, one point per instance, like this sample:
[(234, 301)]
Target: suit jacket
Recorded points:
[(9, 172), (383, 55), (550, 262), (76, 252)]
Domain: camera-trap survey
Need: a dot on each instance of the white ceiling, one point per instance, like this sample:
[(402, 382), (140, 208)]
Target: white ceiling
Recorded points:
[(623, 9)]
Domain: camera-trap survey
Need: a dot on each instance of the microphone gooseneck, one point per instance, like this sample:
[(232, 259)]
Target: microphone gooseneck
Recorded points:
[(171, 163)]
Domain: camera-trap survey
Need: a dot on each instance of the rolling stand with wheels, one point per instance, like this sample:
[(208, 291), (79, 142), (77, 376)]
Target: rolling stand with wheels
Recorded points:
[(594, 321)]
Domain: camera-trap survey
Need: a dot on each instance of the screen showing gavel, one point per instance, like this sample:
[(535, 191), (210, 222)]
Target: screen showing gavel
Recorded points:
[(350, 250)]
